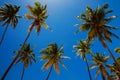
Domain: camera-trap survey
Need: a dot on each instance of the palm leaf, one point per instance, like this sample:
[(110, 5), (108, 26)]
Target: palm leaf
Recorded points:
[(45, 25), (117, 50), (62, 64), (57, 67), (97, 72), (28, 16), (93, 66), (48, 64)]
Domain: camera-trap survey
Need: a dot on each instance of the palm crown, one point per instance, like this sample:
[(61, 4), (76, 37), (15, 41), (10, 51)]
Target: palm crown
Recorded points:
[(26, 56), (100, 61), (8, 15), (38, 15), (96, 22), (53, 55), (82, 48)]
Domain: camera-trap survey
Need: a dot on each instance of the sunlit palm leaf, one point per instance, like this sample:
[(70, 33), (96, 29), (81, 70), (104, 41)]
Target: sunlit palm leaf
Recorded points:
[(57, 68), (28, 16), (117, 50)]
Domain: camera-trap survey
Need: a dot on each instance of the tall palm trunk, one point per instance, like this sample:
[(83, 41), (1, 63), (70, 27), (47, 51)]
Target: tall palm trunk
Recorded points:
[(14, 60), (113, 57), (26, 38), (49, 73), (105, 45), (88, 67), (23, 72), (3, 35), (103, 77)]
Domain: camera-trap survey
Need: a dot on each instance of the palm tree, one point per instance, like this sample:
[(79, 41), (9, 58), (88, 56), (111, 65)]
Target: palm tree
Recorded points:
[(8, 15), (100, 62), (38, 15), (26, 57), (82, 49), (53, 55), (96, 22)]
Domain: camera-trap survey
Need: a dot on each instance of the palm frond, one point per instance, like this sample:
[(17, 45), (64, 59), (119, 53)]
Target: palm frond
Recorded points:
[(117, 50)]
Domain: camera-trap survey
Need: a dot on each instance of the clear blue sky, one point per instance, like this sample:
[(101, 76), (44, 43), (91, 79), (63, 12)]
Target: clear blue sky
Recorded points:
[(61, 19)]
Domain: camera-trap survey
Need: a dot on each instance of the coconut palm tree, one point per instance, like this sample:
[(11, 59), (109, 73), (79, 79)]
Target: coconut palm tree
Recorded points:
[(38, 15), (96, 22), (82, 49), (8, 15), (53, 55), (100, 61), (26, 57)]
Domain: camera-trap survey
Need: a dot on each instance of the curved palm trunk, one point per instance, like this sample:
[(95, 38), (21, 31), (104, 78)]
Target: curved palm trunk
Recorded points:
[(103, 78), (49, 73), (105, 45), (3, 35), (113, 57), (88, 67), (23, 72), (14, 60), (26, 38)]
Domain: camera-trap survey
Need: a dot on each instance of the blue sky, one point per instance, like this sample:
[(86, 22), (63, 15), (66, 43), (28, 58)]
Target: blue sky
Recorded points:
[(62, 18)]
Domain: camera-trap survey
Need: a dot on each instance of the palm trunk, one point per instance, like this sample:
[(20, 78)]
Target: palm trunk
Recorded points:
[(105, 45), (49, 73), (3, 34), (103, 78), (12, 63), (23, 72), (113, 57), (88, 67), (10, 66), (26, 38)]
